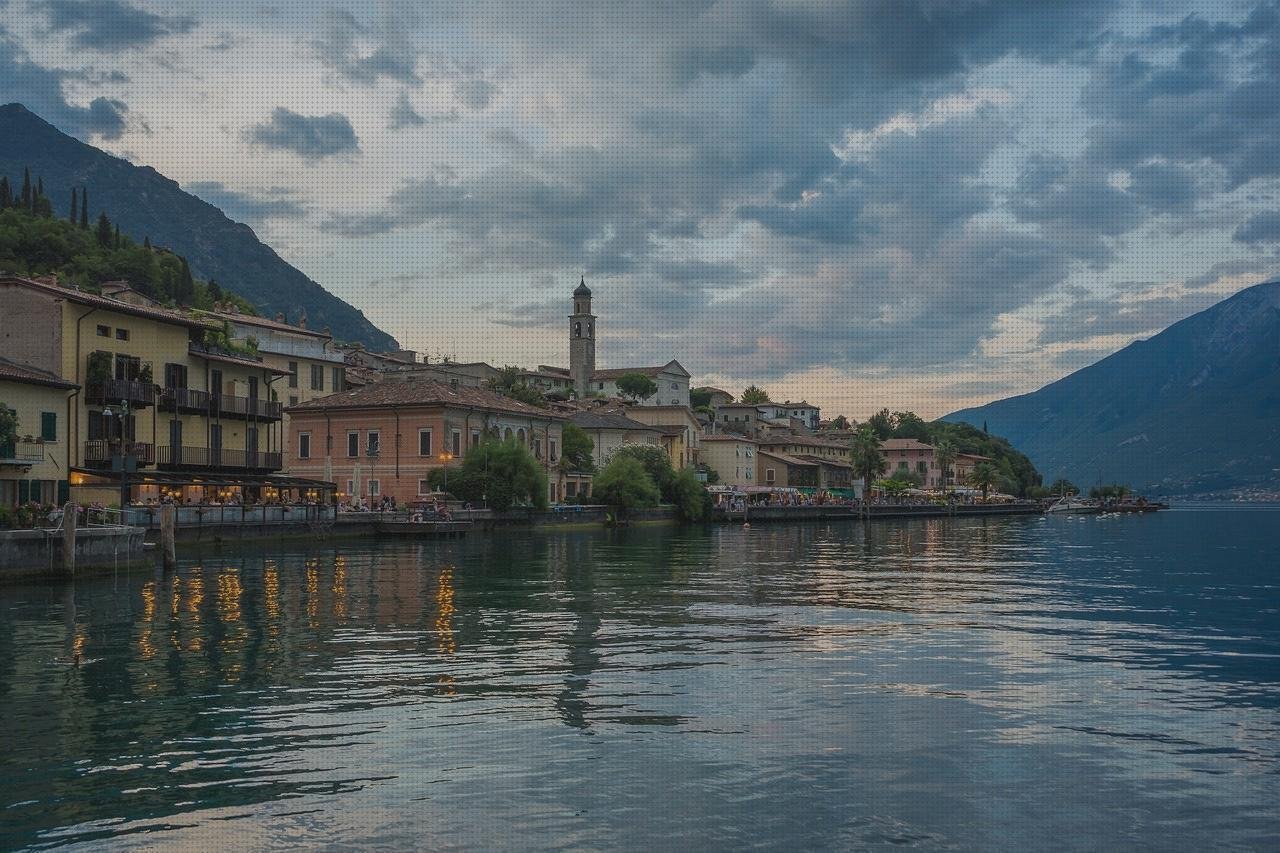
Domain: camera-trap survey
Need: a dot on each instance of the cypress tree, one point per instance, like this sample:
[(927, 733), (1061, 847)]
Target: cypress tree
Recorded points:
[(117, 237), (186, 284), (26, 188), (84, 208), (6, 194), (215, 291), (39, 187), (75, 214), (104, 230)]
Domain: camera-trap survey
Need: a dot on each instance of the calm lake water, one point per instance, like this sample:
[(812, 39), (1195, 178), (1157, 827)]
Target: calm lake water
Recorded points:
[(1070, 683)]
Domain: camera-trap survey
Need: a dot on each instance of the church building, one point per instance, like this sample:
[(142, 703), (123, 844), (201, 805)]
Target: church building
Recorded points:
[(671, 378)]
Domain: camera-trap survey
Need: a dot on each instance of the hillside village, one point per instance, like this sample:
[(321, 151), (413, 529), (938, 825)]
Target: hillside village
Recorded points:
[(117, 396)]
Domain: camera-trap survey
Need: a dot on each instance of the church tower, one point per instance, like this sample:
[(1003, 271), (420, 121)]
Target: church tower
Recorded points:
[(582, 340)]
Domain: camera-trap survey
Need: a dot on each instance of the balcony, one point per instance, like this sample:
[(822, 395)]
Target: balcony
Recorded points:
[(21, 454), (247, 408), (208, 459), (184, 400), (109, 392), (99, 452)]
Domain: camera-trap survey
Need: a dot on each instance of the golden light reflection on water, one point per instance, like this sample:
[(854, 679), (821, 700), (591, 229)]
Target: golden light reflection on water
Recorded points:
[(271, 596), (444, 611), (339, 587), (195, 598), (146, 649)]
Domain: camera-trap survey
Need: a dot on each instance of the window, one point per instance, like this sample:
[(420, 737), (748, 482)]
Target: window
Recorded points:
[(571, 489), (424, 442), (104, 331), (375, 488), (317, 377), (293, 399), (520, 435), (424, 487), (748, 474), (675, 386), (599, 386), (49, 426), (768, 475), (374, 444), (293, 374), (353, 444), (304, 445), (175, 375), (339, 379), (553, 449), (537, 448), (122, 334), (475, 438), (351, 487), (922, 467), (457, 443)]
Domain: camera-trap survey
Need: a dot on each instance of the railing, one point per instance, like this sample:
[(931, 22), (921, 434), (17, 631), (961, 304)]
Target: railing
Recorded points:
[(21, 453), (184, 400), (229, 406), (111, 391), (101, 451), (205, 457)]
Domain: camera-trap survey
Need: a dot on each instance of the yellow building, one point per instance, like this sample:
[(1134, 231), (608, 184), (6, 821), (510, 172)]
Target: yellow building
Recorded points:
[(163, 394), (34, 465), (680, 431), (732, 457)]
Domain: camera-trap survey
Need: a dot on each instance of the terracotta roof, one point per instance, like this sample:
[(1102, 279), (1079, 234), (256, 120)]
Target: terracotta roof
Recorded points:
[(712, 389), (608, 420), (421, 392), (227, 358), (13, 371), (790, 460), (251, 320), (83, 298), (833, 463), (802, 440), (904, 444), (619, 372), (720, 436), (671, 429)]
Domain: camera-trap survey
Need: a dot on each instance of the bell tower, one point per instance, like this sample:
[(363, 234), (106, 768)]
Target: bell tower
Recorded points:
[(582, 340)]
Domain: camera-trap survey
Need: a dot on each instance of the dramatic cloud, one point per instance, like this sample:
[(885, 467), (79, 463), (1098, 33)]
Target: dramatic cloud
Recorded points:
[(971, 195), (109, 25), (310, 137)]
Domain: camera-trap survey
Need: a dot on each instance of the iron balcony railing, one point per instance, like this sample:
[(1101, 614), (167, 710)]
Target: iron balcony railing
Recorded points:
[(220, 405), (168, 456), (110, 392), (184, 400), (101, 451)]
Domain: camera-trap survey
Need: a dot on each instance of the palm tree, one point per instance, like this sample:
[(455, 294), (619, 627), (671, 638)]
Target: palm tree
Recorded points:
[(868, 462), (944, 452), (984, 476)]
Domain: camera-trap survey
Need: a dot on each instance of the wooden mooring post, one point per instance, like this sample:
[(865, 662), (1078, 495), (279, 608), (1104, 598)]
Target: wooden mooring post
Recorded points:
[(168, 530), (69, 520)]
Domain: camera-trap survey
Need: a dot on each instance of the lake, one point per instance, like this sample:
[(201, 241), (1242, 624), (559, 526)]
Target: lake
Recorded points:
[(1009, 683)]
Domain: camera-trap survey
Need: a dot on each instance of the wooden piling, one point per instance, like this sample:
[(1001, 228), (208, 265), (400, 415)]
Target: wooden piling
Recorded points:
[(69, 520), (168, 527)]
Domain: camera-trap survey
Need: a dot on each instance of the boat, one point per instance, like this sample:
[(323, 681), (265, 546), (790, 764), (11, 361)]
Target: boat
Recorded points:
[(1072, 505)]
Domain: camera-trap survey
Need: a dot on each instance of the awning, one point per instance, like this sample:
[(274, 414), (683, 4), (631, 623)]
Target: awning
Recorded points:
[(176, 478)]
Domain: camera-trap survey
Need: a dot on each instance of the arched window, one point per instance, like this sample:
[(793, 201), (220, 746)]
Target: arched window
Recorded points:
[(507, 435), (590, 327), (577, 330), (520, 435)]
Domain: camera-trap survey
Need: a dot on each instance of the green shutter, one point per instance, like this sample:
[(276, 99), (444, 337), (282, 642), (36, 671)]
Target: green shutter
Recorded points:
[(49, 426), (64, 492), (24, 491)]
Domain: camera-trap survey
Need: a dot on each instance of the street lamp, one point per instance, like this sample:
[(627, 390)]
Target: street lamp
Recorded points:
[(125, 460), (446, 458)]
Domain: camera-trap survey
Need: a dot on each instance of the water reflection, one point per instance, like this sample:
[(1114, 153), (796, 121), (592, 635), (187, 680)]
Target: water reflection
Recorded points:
[(818, 685)]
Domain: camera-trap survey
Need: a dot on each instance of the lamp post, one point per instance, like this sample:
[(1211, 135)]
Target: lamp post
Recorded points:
[(125, 459), (446, 458)]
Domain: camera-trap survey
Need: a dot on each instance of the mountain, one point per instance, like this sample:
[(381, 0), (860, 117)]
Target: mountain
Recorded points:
[(145, 203), (1194, 409)]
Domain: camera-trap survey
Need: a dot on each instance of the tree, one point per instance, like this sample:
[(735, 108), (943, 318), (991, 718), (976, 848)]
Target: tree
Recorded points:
[(984, 476), (755, 395), (510, 383), (26, 196), (865, 456), (910, 425), (500, 473), (104, 230), (215, 292), (944, 453), (75, 213), (699, 397), (655, 462), (839, 422), (576, 448), (1062, 486), (6, 194), (637, 386), (625, 484), (84, 208), (882, 424), (692, 501)]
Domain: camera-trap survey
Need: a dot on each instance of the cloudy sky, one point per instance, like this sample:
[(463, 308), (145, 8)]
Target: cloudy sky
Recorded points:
[(912, 203)]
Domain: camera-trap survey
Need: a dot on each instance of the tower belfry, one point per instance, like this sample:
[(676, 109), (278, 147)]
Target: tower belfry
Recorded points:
[(582, 339)]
